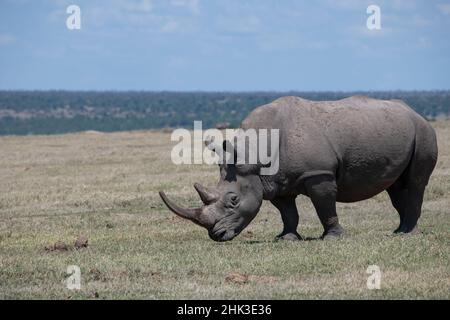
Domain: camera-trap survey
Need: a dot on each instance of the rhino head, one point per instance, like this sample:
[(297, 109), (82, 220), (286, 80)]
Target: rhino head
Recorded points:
[(227, 208)]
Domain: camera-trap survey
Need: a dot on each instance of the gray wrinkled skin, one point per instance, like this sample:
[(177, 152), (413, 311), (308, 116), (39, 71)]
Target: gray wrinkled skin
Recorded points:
[(347, 151)]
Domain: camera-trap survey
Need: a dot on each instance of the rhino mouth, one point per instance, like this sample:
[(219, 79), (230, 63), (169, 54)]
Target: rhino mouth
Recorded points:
[(226, 229), (222, 235)]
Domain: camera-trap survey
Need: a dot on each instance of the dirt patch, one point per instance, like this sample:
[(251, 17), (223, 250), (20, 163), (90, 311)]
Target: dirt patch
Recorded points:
[(57, 246), (81, 242), (237, 278)]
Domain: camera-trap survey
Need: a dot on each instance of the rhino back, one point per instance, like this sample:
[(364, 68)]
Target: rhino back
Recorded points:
[(366, 143)]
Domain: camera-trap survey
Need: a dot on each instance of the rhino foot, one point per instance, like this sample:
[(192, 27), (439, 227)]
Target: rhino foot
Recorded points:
[(291, 236), (333, 233), (404, 231)]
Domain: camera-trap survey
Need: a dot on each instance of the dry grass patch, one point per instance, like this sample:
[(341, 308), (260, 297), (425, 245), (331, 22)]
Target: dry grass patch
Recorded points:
[(104, 187)]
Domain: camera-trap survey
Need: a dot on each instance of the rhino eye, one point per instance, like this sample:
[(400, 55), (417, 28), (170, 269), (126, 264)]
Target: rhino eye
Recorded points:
[(232, 199)]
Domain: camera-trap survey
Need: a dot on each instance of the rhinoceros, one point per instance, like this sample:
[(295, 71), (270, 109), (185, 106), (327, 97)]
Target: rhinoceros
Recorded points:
[(347, 151)]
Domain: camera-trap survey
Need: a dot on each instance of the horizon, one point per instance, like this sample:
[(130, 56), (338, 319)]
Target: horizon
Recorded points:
[(227, 91)]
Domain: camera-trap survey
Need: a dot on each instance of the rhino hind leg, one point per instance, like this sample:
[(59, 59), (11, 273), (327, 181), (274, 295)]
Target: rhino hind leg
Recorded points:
[(322, 191), (398, 196), (289, 215), (407, 192), (408, 203)]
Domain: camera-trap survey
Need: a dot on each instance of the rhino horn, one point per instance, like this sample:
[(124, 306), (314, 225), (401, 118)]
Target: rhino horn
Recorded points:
[(190, 214), (208, 196)]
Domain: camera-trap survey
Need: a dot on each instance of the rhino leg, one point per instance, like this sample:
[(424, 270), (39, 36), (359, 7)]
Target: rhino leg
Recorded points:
[(322, 191), (289, 215), (413, 210), (398, 196), (408, 203), (407, 192)]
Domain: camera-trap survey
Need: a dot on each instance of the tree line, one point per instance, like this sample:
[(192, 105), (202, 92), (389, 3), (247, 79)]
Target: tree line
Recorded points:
[(51, 112)]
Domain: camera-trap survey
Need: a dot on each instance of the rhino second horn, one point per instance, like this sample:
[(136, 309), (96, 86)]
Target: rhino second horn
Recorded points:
[(207, 196)]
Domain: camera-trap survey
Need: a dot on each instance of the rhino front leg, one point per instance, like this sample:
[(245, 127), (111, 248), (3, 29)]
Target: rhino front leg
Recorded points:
[(322, 192), (289, 215)]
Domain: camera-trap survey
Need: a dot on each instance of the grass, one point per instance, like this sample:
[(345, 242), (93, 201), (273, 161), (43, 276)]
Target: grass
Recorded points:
[(104, 186)]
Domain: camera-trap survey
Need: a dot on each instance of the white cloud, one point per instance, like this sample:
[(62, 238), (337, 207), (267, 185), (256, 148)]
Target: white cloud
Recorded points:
[(419, 21), (444, 8), (357, 5), (423, 42), (140, 15), (140, 6), (348, 4), (240, 25), (170, 26), (404, 4), (6, 39), (193, 5), (363, 32)]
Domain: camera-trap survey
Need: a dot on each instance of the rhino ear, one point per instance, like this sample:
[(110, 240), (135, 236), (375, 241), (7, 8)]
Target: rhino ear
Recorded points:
[(228, 147), (211, 144)]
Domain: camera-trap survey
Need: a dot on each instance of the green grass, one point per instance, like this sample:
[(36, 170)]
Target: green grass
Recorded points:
[(104, 186)]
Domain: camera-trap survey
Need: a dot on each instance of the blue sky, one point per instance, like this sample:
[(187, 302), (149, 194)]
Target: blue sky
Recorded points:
[(236, 45)]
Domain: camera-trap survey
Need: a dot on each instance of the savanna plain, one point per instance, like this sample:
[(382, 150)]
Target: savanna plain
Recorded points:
[(104, 187)]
